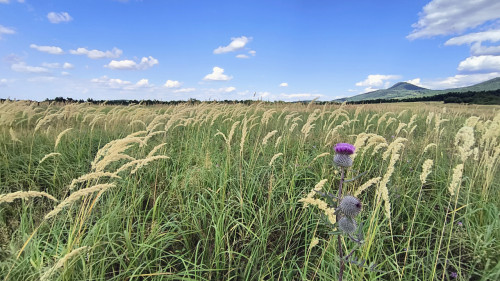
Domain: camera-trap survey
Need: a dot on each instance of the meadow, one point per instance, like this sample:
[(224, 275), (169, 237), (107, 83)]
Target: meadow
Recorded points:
[(213, 191)]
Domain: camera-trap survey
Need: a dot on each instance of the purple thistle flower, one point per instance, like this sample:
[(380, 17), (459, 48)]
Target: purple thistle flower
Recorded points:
[(345, 148), (453, 275)]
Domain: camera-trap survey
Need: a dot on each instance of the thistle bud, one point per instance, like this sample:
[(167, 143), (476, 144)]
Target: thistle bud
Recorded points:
[(350, 206), (347, 225)]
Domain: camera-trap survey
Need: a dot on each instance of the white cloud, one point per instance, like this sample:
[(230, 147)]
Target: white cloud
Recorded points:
[(242, 56), (377, 80), (416, 81), (460, 80), (65, 73), (7, 1), (172, 84), (59, 17), (217, 75), (480, 63), (68, 65), (185, 90), (237, 43), (51, 64), (3, 82), (252, 52), (300, 96), (477, 49), (284, 84), (145, 63), (118, 84), (5, 30), (96, 54), (22, 67), (222, 90), (48, 49), (443, 17), (490, 35)]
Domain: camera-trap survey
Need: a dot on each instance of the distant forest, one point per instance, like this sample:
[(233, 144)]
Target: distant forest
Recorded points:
[(483, 97)]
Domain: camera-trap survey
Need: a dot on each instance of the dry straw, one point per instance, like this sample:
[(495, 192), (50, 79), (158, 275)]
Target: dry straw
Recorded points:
[(10, 197), (77, 195)]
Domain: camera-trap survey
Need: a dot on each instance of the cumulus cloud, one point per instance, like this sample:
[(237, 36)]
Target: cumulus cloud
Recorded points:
[(377, 80), (242, 56), (6, 30), (252, 52), (284, 84), (59, 17), (118, 84), (444, 17), (145, 63), (217, 75), (185, 90), (222, 90), (96, 54), (416, 81), (477, 49), (68, 65), (460, 80), (48, 49), (237, 43), (490, 35), (172, 84), (480, 63), (23, 67)]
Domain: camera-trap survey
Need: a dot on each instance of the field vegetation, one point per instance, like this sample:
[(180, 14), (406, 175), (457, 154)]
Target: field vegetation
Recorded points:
[(214, 191)]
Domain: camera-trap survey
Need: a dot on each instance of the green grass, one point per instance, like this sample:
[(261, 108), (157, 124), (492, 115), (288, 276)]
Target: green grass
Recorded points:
[(216, 212)]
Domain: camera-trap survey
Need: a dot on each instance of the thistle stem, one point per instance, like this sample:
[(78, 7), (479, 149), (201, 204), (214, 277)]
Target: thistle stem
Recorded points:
[(339, 239)]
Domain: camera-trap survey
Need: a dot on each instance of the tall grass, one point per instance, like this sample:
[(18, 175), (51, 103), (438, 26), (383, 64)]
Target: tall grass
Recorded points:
[(211, 191)]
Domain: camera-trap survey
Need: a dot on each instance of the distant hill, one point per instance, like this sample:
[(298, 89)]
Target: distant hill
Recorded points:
[(404, 90)]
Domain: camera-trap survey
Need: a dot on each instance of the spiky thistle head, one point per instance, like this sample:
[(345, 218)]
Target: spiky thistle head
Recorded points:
[(343, 154), (350, 206), (347, 225)]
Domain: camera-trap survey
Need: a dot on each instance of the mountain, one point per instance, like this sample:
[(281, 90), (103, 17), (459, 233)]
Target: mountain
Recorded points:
[(406, 90)]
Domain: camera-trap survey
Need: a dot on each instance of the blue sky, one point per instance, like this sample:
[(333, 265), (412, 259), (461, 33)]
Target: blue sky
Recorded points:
[(274, 50)]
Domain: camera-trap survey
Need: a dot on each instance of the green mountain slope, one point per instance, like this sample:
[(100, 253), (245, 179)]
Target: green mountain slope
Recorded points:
[(406, 90)]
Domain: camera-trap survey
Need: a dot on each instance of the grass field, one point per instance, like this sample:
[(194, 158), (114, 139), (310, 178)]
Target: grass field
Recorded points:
[(211, 191)]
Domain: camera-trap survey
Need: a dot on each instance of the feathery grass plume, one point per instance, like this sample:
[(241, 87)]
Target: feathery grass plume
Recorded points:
[(412, 120), (108, 159), (464, 141), (222, 134), (268, 136), (155, 149), (321, 155), (366, 185), (13, 136), (389, 122), (314, 242), (146, 161), (59, 137), (77, 195), (360, 142), (402, 113), (231, 133), (400, 126), (48, 156), (429, 146), (379, 147), (456, 179), (294, 125), (10, 197), (394, 147), (288, 117), (430, 116), (115, 147), (472, 121), (149, 136), (92, 176), (373, 117), (244, 132), (382, 118), (47, 119), (322, 205), (411, 130), (137, 121), (278, 141), (274, 158), (60, 263), (382, 187), (476, 153), (267, 115), (308, 126), (426, 170), (317, 187)]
